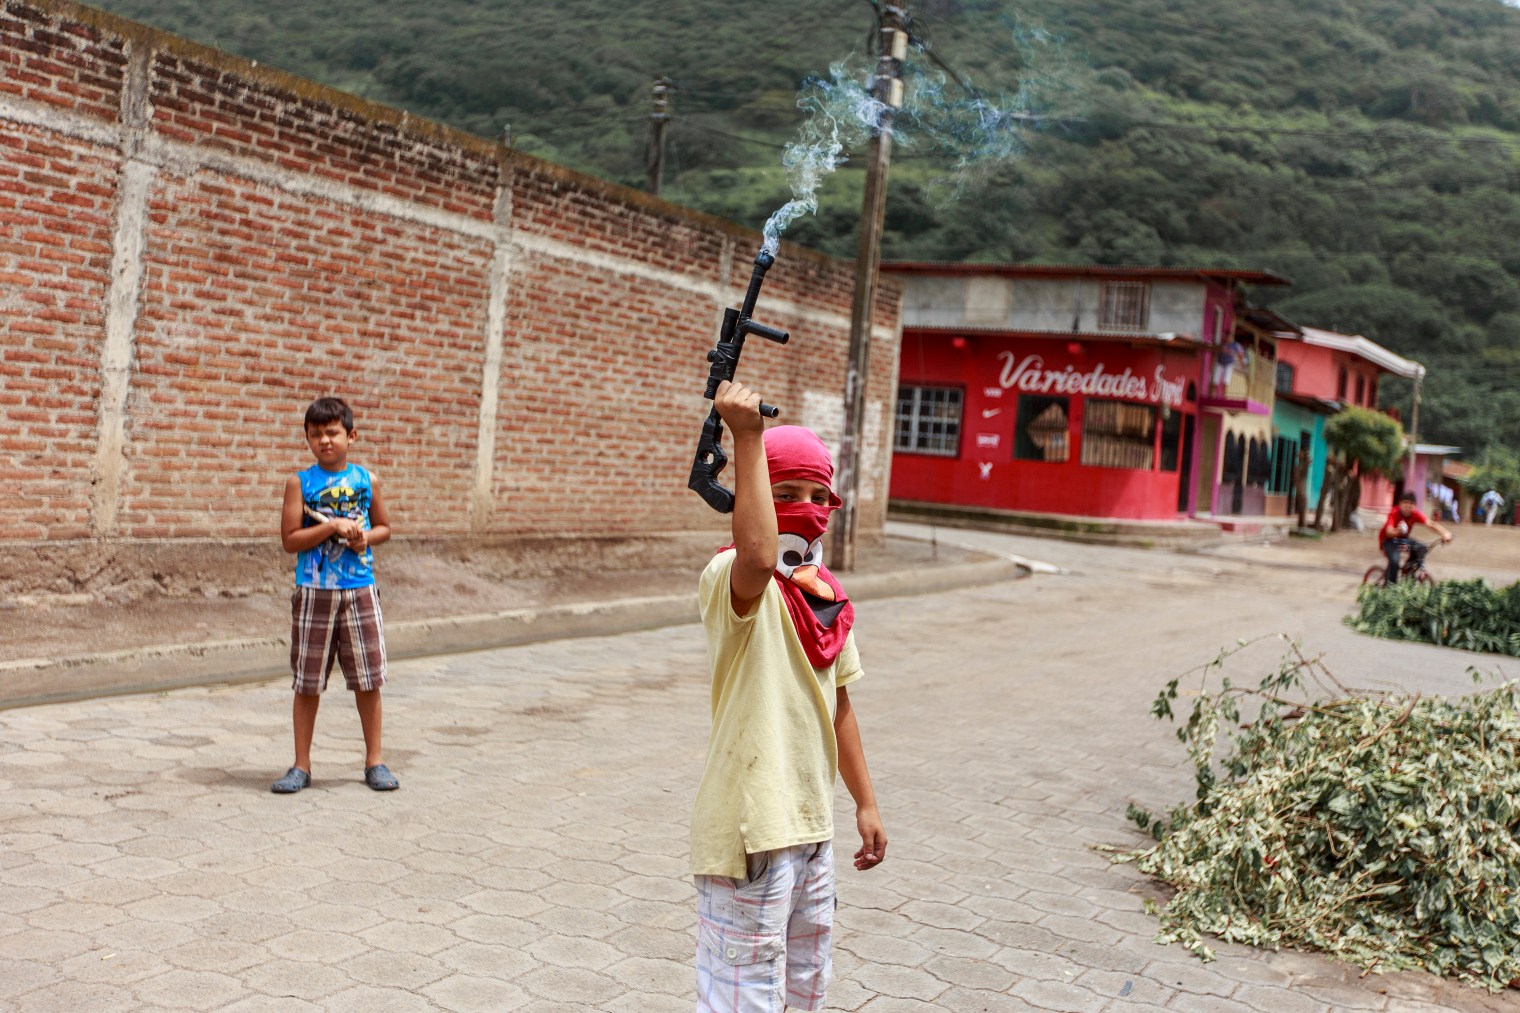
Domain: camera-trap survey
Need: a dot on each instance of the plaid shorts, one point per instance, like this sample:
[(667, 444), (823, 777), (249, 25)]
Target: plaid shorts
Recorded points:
[(342, 624), (767, 944)]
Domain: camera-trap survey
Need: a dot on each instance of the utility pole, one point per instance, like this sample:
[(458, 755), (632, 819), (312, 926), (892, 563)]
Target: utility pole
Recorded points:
[(1412, 483), (659, 119), (886, 88)]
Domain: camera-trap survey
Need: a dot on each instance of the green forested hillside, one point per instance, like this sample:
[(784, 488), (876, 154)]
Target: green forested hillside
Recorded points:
[(1364, 148)]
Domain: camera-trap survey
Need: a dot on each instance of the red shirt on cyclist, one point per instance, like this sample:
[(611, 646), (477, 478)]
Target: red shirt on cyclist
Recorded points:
[(1402, 519), (1397, 529)]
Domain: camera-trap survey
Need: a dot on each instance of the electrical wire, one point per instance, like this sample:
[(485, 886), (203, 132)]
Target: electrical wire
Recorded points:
[(759, 141), (698, 98)]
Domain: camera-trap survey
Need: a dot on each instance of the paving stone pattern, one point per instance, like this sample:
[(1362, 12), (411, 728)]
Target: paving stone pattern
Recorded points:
[(534, 858)]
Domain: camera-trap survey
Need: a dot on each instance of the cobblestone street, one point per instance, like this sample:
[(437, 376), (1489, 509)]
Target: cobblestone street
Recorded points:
[(534, 858)]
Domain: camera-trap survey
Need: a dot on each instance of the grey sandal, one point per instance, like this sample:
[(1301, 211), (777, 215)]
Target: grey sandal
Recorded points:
[(294, 780), (380, 778)]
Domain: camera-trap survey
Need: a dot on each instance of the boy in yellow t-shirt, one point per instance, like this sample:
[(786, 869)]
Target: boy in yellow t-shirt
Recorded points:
[(781, 650)]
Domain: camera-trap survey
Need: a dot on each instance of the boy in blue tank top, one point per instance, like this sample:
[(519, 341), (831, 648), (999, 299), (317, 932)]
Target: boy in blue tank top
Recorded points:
[(331, 517)]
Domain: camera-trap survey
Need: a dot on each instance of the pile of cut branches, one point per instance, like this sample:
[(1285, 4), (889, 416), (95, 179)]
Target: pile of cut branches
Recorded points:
[(1470, 614), (1378, 828)]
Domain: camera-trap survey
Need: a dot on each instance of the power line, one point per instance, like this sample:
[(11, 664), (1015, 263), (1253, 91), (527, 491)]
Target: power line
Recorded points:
[(762, 142), (550, 128), (1369, 137)]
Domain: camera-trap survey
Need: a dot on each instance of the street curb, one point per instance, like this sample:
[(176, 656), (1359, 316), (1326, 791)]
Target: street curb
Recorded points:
[(31, 681)]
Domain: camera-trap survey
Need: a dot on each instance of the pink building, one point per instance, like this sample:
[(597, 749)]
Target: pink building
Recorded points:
[(1343, 369)]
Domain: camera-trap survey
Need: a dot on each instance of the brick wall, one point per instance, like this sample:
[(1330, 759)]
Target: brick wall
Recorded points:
[(193, 247)]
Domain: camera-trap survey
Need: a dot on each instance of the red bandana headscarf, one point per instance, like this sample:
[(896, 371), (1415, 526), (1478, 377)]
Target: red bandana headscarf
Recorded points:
[(818, 606)]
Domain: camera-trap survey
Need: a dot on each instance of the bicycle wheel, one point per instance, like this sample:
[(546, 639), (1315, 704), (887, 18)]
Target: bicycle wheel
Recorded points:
[(1375, 575), (1422, 576)]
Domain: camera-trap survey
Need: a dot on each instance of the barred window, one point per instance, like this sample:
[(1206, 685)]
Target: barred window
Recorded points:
[(1285, 375), (1117, 434), (929, 420), (1284, 461), (1125, 305)]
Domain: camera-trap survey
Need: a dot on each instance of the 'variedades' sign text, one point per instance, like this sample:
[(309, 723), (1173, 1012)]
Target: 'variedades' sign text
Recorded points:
[(1031, 377)]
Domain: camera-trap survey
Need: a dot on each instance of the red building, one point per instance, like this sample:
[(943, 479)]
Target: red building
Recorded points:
[(1066, 390)]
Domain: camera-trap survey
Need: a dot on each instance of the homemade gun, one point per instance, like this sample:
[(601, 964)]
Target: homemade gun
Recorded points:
[(737, 325)]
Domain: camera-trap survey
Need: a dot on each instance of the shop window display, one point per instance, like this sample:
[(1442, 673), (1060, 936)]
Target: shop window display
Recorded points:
[(1042, 430), (1117, 434)]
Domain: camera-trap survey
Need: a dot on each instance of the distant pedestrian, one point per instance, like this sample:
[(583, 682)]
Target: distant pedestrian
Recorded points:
[(332, 517), (1449, 504), (781, 650), (1490, 505)]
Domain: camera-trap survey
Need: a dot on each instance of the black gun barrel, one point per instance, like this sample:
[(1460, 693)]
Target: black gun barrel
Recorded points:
[(710, 459), (763, 261)]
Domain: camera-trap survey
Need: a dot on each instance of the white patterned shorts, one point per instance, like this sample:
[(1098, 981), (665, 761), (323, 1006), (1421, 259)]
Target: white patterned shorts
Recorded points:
[(766, 944)]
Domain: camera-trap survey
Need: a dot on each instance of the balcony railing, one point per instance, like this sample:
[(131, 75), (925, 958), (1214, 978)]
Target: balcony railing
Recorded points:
[(1256, 382), (1262, 382)]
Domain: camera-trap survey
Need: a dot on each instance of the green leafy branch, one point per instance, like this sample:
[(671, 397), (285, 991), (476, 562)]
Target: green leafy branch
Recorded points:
[(1375, 826)]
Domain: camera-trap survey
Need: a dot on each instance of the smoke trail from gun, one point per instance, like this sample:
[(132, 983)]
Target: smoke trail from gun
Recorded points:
[(841, 115), (979, 129), (975, 131)]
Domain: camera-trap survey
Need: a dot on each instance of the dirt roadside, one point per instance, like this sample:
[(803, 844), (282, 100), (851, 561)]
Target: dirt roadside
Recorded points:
[(62, 603), (58, 604), (1475, 551)]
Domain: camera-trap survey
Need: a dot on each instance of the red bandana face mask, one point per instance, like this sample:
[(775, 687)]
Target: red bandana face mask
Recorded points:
[(820, 611), (799, 556)]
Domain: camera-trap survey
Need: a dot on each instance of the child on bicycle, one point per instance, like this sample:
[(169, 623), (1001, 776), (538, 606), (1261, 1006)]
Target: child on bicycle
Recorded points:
[(1393, 536)]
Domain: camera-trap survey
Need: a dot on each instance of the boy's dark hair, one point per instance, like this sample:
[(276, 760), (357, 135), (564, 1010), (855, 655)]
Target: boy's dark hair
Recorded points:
[(1408, 497), (330, 409)]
